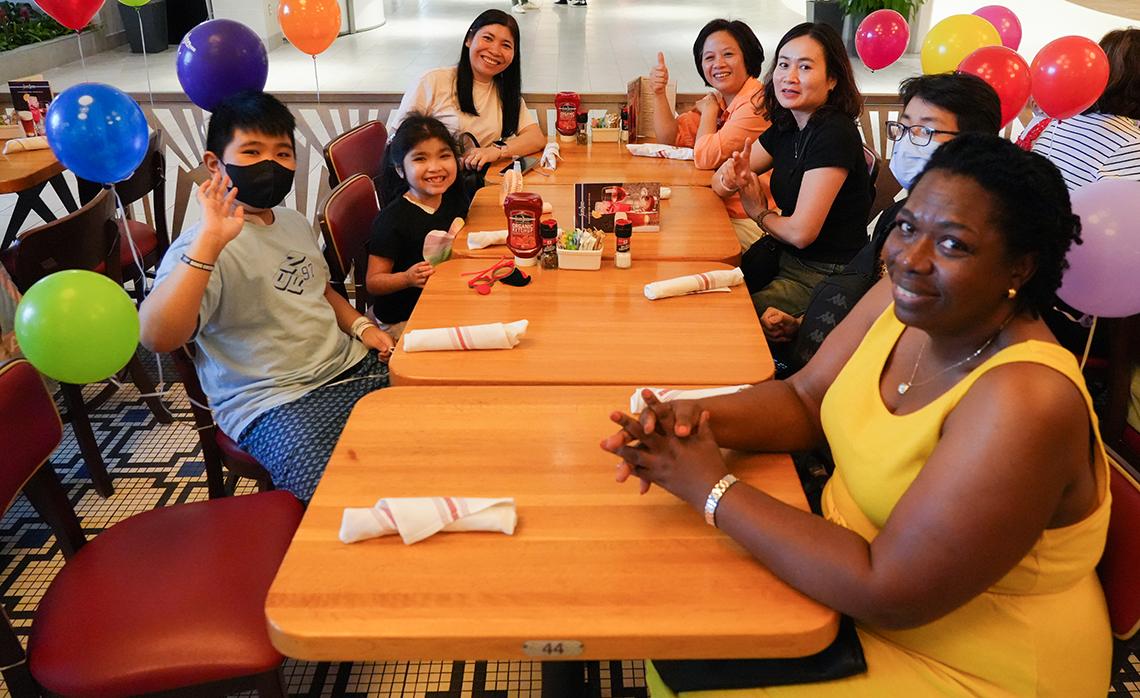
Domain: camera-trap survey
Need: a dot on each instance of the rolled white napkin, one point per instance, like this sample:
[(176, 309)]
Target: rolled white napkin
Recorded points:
[(551, 154), (416, 518), (660, 150), (19, 144), (709, 281), (637, 403), (477, 241), (496, 335)]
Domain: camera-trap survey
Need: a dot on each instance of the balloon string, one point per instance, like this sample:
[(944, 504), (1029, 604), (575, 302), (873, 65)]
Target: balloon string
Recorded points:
[(82, 59), (317, 79), (159, 393), (146, 63), (1088, 343)]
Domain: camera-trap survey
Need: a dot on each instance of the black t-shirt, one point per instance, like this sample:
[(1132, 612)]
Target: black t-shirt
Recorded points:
[(830, 139), (398, 234)]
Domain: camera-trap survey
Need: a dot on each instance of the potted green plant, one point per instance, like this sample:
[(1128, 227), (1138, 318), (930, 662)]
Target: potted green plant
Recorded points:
[(857, 10)]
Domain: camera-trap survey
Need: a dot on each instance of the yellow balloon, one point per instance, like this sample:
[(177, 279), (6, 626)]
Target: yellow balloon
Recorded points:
[(951, 40)]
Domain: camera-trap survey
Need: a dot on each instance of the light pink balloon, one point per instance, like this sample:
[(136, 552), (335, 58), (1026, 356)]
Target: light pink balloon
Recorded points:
[(881, 38), (1101, 278), (1007, 24)]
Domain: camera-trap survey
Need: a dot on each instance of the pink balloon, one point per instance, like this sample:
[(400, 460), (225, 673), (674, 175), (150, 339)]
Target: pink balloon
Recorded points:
[(1007, 24), (881, 38), (1101, 278)]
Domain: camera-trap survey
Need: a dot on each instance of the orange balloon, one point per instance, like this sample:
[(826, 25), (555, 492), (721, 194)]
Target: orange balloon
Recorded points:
[(310, 25)]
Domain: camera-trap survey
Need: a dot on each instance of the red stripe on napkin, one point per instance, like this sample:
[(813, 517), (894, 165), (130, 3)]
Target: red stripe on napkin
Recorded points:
[(458, 331)]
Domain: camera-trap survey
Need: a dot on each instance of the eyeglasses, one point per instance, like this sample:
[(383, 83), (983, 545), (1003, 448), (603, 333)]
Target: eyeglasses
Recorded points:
[(919, 135), (483, 280)]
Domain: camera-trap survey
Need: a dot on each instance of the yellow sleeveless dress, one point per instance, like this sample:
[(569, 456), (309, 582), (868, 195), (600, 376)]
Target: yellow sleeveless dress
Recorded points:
[(1042, 630)]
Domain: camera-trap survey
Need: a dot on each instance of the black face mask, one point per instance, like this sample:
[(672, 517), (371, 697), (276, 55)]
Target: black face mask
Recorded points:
[(263, 184)]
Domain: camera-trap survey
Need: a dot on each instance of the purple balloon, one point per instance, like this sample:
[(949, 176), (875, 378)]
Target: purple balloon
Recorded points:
[(219, 58), (1101, 278)]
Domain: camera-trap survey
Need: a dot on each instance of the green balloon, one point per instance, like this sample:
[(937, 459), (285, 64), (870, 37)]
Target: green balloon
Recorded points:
[(77, 326), (134, 3)]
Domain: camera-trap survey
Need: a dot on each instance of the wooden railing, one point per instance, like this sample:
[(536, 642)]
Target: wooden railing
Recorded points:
[(318, 122)]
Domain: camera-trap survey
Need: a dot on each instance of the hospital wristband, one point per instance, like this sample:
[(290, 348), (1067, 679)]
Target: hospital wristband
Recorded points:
[(359, 326)]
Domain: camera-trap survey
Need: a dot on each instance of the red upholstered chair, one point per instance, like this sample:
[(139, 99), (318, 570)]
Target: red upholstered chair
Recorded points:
[(1123, 355), (346, 222), (86, 239), (357, 151), (171, 600), (225, 460), (1119, 568)]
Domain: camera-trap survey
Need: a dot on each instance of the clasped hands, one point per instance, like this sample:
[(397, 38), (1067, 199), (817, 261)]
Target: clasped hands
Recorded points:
[(670, 444), (736, 175)]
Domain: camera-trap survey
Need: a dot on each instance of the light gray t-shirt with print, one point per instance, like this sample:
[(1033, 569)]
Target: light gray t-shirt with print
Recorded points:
[(266, 334)]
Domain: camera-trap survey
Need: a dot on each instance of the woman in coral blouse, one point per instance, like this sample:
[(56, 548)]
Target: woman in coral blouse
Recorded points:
[(729, 58)]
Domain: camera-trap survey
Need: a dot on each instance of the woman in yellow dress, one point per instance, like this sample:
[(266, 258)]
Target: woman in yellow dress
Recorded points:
[(969, 504)]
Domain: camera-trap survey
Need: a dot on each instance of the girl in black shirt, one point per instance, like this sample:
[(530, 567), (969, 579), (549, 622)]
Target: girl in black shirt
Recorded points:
[(418, 195)]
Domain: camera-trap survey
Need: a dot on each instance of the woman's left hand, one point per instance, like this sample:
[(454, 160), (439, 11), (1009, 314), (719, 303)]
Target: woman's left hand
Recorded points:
[(687, 467), (477, 157), (708, 103)]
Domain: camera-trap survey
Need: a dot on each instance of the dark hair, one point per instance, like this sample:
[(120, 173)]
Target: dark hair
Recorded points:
[(415, 129), (969, 98), (750, 48), (844, 98), (508, 82), (250, 111), (1122, 94), (1030, 202)]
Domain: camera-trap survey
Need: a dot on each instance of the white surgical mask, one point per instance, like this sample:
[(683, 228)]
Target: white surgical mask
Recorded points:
[(908, 160)]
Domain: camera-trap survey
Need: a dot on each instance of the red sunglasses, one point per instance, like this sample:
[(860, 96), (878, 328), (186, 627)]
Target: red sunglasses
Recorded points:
[(482, 281)]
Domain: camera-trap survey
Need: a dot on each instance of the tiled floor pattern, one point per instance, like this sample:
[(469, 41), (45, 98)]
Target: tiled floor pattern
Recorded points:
[(160, 465)]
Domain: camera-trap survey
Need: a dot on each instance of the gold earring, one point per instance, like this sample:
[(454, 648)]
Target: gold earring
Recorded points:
[(1011, 293)]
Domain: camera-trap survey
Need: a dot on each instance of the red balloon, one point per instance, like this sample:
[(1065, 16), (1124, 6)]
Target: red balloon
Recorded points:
[(1007, 24), (1006, 72), (1068, 75), (881, 38), (73, 14)]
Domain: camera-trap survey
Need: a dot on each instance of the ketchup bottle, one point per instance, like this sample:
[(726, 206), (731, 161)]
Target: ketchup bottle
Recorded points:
[(523, 210), (566, 109)]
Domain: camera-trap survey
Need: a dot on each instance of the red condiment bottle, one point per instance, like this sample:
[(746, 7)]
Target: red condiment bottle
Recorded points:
[(523, 210), (566, 110)]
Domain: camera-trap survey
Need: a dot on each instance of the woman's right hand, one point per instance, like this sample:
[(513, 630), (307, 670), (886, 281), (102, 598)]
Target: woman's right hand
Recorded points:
[(659, 75), (222, 216), (418, 274)]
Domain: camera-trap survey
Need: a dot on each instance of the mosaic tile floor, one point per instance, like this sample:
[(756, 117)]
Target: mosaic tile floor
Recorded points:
[(158, 465)]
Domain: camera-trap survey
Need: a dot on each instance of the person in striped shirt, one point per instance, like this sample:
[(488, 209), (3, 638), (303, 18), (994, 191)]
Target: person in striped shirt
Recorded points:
[(1105, 140)]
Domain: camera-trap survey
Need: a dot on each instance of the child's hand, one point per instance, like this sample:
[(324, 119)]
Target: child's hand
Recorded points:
[(378, 339), (418, 274), (222, 216)]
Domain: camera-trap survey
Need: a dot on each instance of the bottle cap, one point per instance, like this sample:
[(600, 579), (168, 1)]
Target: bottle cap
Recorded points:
[(583, 117), (623, 229)]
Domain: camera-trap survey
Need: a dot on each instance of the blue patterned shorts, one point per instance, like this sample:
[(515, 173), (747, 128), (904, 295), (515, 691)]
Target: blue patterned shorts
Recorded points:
[(294, 441)]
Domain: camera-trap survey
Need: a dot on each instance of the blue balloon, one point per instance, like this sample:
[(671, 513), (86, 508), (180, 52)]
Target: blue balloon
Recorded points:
[(219, 58), (97, 132)]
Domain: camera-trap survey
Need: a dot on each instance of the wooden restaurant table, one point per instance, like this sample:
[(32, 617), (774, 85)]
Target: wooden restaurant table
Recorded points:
[(694, 224), (26, 173), (590, 328), (611, 162), (590, 561)]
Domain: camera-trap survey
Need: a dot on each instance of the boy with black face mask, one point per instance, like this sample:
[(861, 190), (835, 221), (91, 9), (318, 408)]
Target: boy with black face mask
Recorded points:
[(281, 356)]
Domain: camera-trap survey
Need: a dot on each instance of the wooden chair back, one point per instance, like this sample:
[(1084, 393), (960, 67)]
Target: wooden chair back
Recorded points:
[(86, 239), (346, 222), (357, 151)]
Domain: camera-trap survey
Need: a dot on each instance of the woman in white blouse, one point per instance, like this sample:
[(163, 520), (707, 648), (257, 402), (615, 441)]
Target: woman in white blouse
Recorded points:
[(482, 95)]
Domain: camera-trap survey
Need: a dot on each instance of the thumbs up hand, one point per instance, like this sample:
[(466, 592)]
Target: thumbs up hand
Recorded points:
[(659, 75)]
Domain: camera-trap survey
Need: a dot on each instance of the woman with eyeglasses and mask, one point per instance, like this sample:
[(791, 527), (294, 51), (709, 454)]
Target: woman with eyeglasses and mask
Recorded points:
[(820, 180), (969, 505), (481, 96)]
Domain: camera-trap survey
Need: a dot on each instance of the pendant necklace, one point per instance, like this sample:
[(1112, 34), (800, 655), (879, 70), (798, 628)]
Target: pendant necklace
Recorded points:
[(908, 384)]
